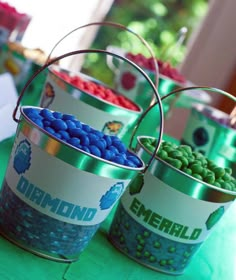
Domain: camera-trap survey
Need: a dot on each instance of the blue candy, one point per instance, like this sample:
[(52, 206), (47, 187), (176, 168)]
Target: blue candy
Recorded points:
[(95, 150), (67, 128), (59, 124), (118, 159), (119, 145), (47, 114), (68, 117), (108, 140), (114, 150), (76, 132), (107, 154), (84, 140), (49, 129), (57, 115), (74, 142), (70, 124), (64, 134)]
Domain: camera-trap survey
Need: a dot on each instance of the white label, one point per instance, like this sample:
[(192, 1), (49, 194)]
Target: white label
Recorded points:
[(199, 134), (172, 214), (58, 189), (134, 85)]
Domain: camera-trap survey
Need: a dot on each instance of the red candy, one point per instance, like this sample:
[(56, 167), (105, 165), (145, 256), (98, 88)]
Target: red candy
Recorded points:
[(98, 90), (164, 67)]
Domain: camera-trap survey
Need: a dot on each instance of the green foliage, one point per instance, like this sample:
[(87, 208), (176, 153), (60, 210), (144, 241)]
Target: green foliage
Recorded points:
[(157, 21)]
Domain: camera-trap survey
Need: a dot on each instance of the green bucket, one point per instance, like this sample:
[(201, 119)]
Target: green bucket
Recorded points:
[(55, 195), (206, 131), (163, 222)]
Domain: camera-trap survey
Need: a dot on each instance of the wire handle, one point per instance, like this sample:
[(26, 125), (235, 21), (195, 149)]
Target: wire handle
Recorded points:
[(119, 26), (179, 91), (52, 61)]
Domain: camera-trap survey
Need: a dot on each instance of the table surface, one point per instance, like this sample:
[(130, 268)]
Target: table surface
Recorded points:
[(215, 260)]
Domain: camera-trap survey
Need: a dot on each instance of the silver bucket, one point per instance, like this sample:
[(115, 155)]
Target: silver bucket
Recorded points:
[(46, 204), (55, 196), (163, 223)]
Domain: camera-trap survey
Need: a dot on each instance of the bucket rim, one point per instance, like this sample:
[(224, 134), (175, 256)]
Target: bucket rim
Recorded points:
[(199, 108), (230, 195), (72, 149), (89, 95)]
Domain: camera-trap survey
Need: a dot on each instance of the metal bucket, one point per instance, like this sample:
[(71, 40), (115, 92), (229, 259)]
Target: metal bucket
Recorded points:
[(205, 134), (54, 196), (59, 95), (129, 82), (112, 119), (162, 223), (132, 85)]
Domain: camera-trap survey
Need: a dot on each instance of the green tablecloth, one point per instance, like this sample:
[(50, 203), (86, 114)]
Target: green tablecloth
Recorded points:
[(215, 260)]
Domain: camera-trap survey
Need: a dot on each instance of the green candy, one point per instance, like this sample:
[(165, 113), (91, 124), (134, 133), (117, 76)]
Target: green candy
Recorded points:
[(174, 162), (196, 168), (148, 141), (162, 154), (187, 148), (228, 170), (168, 149), (210, 179), (175, 154), (187, 171), (184, 161), (197, 176), (183, 151), (217, 184), (192, 163), (219, 172), (197, 155), (150, 147), (227, 186), (204, 172), (226, 177)]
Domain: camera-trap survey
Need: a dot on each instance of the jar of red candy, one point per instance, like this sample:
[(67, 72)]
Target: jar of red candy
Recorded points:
[(90, 100)]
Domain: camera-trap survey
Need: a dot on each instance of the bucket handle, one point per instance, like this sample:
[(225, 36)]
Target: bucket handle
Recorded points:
[(52, 61), (119, 26), (179, 91)]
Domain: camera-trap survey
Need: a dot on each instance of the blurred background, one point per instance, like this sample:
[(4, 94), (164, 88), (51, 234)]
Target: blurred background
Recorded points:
[(206, 57)]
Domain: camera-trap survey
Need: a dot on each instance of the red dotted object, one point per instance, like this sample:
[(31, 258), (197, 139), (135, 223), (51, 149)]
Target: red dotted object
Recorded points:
[(98, 90), (128, 80), (165, 68)]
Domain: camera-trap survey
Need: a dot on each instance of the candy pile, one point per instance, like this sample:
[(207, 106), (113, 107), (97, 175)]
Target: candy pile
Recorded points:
[(164, 67), (98, 90), (68, 129), (225, 121), (193, 163)]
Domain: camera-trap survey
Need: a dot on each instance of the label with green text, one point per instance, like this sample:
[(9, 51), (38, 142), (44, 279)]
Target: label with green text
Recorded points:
[(170, 213)]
